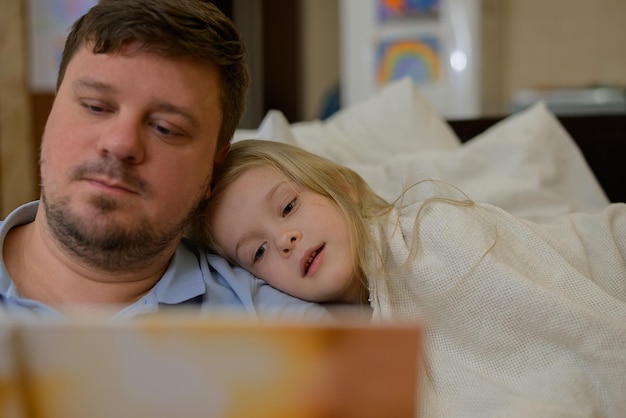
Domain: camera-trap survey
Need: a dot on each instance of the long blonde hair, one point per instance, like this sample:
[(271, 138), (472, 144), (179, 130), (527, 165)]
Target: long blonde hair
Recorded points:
[(343, 186)]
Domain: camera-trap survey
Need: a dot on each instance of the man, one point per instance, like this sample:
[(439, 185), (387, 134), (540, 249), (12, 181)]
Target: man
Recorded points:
[(148, 96)]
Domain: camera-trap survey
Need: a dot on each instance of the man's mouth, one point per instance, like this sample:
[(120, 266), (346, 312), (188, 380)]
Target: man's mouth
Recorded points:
[(111, 177), (111, 184), (312, 256)]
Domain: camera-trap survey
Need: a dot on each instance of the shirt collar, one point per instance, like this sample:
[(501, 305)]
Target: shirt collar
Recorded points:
[(184, 278), (20, 216)]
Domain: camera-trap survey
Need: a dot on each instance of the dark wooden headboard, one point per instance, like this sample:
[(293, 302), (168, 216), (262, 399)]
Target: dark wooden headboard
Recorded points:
[(601, 138)]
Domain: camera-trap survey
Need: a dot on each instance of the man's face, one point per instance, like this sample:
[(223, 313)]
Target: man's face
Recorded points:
[(127, 154)]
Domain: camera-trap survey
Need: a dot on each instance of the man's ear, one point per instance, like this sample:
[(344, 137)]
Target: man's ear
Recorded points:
[(221, 154)]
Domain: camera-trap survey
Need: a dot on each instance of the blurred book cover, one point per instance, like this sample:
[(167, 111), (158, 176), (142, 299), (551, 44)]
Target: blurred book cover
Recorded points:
[(166, 366)]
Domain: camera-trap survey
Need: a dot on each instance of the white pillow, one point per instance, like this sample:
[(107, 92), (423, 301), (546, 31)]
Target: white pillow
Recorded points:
[(274, 126), (526, 164), (534, 145), (396, 120)]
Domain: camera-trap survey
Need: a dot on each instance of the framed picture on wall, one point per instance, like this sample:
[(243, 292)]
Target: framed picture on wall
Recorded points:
[(406, 9), (417, 57), (48, 24)]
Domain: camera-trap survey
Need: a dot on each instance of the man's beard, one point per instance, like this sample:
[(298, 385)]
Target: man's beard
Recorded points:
[(109, 246)]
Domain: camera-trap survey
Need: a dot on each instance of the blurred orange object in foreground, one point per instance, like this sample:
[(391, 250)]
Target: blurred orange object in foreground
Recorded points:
[(167, 366)]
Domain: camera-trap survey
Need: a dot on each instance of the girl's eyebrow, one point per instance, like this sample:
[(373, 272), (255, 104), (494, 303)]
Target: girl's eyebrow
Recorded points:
[(272, 192)]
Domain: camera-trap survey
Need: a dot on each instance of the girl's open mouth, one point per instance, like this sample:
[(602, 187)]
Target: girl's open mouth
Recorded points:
[(309, 261)]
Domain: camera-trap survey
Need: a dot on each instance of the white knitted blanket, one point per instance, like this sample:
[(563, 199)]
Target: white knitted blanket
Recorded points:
[(521, 319)]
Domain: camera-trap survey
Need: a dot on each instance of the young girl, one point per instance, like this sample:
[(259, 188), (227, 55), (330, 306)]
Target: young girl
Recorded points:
[(522, 319)]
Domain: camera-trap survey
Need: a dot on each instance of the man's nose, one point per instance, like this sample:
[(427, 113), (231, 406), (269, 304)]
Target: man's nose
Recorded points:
[(123, 139)]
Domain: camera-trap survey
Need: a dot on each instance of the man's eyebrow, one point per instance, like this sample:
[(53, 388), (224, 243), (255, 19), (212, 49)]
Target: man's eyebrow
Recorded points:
[(166, 107), (90, 83)]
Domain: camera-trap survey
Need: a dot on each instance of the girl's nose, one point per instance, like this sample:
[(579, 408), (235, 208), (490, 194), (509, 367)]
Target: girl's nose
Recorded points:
[(287, 241)]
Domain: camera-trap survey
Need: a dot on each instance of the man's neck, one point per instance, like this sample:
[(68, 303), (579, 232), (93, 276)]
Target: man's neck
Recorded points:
[(43, 271)]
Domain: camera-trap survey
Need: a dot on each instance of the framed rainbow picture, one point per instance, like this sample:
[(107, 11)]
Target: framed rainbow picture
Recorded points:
[(402, 9), (417, 57)]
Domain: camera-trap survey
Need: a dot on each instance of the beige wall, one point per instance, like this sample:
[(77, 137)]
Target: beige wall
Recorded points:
[(18, 170), (320, 53), (529, 43), (563, 43)]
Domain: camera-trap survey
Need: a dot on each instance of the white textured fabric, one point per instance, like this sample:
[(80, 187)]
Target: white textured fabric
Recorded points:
[(522, 319)]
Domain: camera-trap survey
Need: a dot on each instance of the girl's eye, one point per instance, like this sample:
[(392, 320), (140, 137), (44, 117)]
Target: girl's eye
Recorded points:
[(259, 252), (289, 207)]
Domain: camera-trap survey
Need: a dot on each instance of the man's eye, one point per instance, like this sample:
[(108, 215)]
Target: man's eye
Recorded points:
[(289, 207), (93, 108), (163, 130), (259, 252)]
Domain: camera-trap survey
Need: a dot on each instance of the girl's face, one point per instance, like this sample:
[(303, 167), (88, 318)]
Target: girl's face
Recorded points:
[(294, 239)]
